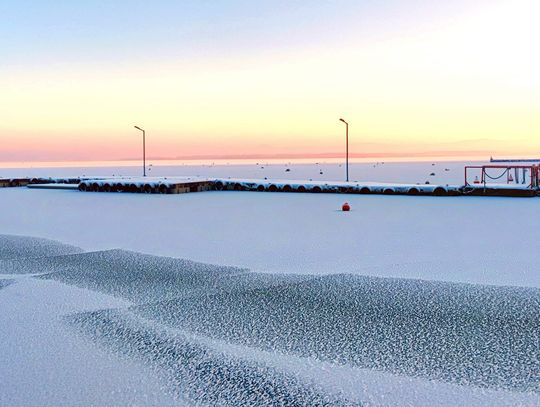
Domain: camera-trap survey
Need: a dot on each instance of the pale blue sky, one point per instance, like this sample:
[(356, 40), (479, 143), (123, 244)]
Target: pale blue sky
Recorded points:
[(253, 77), (111, 31)]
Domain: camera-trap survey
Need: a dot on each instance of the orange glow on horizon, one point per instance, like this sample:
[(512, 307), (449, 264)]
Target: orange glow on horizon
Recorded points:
[(462, 88)]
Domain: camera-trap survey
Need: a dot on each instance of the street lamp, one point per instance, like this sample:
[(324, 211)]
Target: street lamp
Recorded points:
[(346, 147), (143, 149)]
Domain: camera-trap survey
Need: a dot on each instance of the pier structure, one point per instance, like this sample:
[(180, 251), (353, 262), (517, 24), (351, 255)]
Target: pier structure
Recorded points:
[(479, 181)]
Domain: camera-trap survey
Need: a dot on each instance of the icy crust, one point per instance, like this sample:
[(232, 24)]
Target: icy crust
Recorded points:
[(16, 247), (142, 278), (464, 334), (460, 333), (4, 283), (191, 369), (137, 277)]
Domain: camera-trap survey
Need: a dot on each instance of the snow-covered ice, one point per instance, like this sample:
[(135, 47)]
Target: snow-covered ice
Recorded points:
[(248, 298), (461, 239), (13, 247)]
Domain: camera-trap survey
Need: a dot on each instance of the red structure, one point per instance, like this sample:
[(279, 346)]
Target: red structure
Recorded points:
[(528, 175)]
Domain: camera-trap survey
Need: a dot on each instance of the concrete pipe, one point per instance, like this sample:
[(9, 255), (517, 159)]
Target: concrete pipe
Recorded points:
[(389, 191), (413, 191), (316, 189), (440, 191), (365, 190), (147, 189), (287, 188), (273, 188), (83, 187), (218, 186)]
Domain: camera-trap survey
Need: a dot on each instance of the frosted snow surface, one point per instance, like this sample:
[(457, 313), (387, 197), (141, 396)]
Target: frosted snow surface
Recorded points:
[(13, 247), (215, 335), (285, 300), (4, 283)]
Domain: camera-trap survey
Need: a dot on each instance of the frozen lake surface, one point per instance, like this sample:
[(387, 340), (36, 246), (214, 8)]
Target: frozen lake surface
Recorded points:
[(264, 297), (445, 172), (461, 239)]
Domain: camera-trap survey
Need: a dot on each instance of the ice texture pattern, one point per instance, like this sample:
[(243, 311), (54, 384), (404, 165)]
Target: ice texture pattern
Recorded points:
[(202, 328), (14, 247)]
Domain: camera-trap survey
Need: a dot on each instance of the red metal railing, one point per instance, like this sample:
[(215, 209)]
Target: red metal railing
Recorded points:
[(531, 172)]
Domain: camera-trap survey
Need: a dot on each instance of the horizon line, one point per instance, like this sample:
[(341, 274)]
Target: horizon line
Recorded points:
[(254, 156)]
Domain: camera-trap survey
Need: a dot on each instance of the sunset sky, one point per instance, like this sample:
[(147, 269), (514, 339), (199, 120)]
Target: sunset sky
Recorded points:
[(264, 78)]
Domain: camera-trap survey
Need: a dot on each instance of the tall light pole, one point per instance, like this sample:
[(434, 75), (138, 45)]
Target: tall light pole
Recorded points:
[(346, 147), (143, 149)]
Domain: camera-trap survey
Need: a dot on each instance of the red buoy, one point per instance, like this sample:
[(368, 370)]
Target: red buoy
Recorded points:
[(346, 207)]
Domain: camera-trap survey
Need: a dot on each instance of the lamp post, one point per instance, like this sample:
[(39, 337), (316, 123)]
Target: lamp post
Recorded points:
[(143, 149), (346, 148)]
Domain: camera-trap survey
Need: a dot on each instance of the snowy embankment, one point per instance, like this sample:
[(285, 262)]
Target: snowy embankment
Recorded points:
[(260, 338)]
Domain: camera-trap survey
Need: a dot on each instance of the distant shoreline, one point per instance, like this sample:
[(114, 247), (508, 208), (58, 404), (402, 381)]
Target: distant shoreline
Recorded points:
[(232, 161)]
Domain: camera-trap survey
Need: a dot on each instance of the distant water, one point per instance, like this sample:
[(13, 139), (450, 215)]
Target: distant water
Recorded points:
[(431, 171), (221, 161)]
